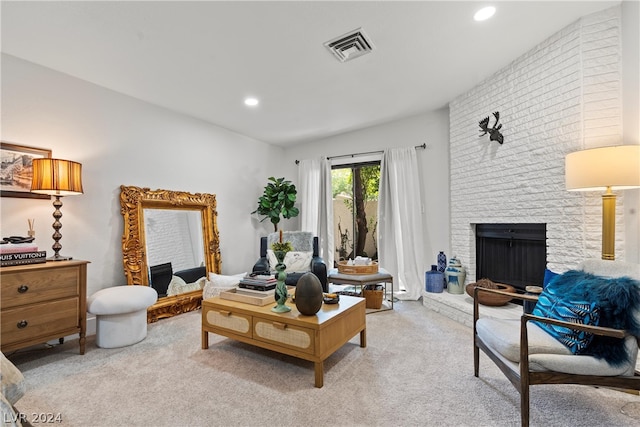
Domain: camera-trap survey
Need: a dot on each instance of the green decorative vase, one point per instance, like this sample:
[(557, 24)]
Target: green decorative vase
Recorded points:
[(281, 293)]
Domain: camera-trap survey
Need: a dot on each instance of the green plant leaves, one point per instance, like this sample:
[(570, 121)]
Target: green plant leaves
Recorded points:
[(277, 200)]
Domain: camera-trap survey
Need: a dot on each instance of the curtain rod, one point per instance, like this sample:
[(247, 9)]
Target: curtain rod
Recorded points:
[(417, 147)]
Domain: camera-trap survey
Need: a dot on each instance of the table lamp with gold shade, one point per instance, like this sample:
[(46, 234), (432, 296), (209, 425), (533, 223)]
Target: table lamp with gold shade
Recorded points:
[(58, 178), (604, 169)]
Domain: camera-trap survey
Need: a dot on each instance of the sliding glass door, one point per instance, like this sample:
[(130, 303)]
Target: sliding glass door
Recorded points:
[(355, 209)]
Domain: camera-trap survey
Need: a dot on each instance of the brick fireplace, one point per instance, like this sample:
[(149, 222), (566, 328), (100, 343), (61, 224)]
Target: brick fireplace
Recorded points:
[(562, 96)]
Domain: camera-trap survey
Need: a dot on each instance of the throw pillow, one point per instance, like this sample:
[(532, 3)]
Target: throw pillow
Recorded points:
[(548, 276), (580, 312), (179, 286), (295, 261), (618, 300), (300, 240), (219, 282), (175, 284), (225, 281)]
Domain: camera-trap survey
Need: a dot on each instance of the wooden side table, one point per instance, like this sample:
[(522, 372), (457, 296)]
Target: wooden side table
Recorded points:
[(41, 302), (382, 276)]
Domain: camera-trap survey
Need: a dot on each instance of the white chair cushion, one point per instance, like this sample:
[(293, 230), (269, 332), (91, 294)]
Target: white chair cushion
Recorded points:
[(503, 335), (583, 364), (545, 352), (121, 299)]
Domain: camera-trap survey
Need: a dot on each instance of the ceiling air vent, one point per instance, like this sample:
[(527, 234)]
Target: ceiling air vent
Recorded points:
[(351, 45)]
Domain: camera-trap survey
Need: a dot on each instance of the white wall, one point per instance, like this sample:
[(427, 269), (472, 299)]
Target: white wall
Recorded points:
[(562, 96), (430, 128), (631, 117), (121, 140)]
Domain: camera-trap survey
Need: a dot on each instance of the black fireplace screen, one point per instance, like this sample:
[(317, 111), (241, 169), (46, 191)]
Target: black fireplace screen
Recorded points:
[(515, 254)]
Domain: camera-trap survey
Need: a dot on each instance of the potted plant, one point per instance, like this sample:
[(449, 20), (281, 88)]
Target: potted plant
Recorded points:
[(277, 201)]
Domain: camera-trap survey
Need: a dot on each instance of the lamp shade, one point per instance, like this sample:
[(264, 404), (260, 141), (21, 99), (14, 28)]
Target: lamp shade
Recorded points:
[(617, 167), (56, 177)]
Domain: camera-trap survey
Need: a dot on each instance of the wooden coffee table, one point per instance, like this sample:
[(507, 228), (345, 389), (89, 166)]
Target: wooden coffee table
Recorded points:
[(312, 338)]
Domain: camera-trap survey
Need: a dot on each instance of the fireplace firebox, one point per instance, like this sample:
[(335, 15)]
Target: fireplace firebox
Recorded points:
[(515, 254)]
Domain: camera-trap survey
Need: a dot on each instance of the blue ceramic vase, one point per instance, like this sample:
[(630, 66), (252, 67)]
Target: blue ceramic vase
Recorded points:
[(433, 280), (442, 266)]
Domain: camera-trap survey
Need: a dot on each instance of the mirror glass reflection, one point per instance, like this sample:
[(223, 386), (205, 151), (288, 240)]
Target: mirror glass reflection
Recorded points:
[(174, 243), (174, 236)]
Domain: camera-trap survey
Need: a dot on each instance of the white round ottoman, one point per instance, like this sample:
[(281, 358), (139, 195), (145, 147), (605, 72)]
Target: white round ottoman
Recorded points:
[(121, 314)]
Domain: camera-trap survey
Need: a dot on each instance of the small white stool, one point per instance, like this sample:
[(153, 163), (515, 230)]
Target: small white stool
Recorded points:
[(121, 314)]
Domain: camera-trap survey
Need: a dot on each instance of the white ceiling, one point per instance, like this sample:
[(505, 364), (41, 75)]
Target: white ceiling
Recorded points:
[(202, 58)]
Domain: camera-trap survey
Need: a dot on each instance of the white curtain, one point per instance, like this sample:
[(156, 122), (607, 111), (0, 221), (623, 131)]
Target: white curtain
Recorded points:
[(316, 204), (400, 232)]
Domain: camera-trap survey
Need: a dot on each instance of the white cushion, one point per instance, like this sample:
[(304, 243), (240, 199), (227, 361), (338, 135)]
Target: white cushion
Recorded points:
[(583, 364), (300, 240), (296, 261), (219, 282), (179, 286), (225, 281), (545, 352), (548, 354), (503, 335), (608, 268), (121, 299)]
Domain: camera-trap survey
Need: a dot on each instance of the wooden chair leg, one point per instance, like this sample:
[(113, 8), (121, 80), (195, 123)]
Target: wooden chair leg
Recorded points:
[(524, 406), (476, 359)]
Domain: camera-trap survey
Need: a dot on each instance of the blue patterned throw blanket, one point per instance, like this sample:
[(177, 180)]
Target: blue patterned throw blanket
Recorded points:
[(581, 297)]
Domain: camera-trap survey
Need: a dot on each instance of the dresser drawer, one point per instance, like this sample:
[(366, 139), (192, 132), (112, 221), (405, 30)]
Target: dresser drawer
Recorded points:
[(27, 323), (283, 335), (29, 287), (237, 323)]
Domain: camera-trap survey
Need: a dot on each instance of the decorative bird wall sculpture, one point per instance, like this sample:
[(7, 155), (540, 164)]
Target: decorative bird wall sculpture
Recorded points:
[(494, 132)]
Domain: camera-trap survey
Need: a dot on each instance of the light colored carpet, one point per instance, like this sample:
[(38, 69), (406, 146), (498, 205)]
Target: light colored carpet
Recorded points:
[(417, 369)]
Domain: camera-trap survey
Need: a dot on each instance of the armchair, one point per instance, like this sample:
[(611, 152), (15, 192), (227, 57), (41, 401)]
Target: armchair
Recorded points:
[(305, 254), (528, 354)]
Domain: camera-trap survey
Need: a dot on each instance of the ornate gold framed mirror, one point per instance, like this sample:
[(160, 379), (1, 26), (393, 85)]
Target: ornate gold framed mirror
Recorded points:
[(137, 203)]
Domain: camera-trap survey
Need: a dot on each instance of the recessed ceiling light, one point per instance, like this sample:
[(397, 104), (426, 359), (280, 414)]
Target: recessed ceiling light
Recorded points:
[(251, 102), (484, 13)]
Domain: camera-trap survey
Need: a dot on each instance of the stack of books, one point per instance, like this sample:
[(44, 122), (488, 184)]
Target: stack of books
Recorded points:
[(21, 254), (258, 283)]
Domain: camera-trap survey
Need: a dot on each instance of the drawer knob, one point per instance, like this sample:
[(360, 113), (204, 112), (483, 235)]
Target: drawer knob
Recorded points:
[(22, 289), (22, 324), (281, 326)]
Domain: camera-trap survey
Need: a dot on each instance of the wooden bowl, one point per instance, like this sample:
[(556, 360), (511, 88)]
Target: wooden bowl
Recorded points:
[(486, 298)]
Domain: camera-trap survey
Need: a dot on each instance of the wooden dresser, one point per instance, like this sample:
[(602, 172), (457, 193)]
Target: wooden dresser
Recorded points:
[(41, 302)]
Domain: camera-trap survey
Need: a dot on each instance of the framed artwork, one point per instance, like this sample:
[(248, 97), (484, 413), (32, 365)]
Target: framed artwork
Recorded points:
[(16, 170)]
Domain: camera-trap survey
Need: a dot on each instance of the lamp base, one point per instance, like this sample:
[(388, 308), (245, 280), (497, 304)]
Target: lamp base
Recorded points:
[(58, 257)]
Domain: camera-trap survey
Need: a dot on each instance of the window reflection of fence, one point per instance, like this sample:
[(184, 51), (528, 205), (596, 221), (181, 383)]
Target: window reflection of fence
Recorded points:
[(343, 217)]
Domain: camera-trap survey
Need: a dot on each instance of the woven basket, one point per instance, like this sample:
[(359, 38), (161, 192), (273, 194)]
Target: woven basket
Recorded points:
[(486, 298), (373, 298), (343, 268)]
